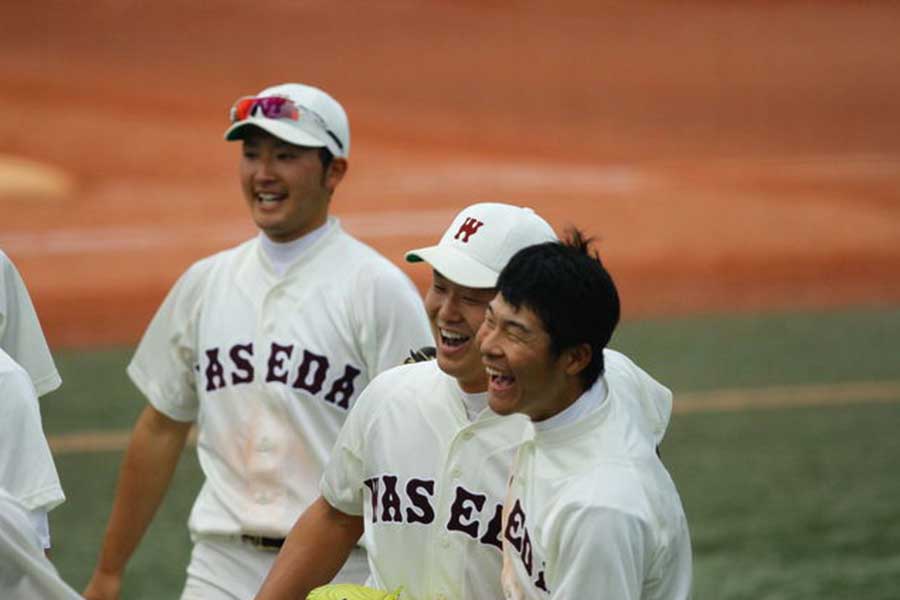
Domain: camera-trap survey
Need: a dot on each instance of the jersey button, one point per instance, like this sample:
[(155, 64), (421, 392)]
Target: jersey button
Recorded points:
[(456, 473), (263, 498), (468, 435)]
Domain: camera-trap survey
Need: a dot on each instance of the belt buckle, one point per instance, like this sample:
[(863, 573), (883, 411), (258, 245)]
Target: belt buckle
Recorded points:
[(265, 544)]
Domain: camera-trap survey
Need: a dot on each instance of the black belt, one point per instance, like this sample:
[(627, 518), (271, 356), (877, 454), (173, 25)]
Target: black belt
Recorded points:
[(263, 543)]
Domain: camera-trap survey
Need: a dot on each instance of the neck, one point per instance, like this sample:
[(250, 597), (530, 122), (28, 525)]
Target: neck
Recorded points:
[(566, 397)]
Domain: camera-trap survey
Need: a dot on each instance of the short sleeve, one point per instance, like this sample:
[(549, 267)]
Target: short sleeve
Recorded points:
[(21, 335), (343, 479), (390, 317), (163, 366), (27, 470)]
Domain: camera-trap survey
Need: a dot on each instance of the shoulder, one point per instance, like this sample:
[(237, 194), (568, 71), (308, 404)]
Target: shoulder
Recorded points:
[(408, 379), (402, 387), (9, 276), (356, 256), (6, 264), (634, 491), (607, 497), (15, 383), (639, 390), (226, 257), (397, 401), (9, 367), (196, 276)]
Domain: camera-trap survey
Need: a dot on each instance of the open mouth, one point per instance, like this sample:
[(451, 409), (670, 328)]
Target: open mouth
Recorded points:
[(499, 379), (452, 339), (270, 199)]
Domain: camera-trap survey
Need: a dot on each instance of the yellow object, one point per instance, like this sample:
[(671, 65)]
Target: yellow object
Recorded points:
[(349, 591)]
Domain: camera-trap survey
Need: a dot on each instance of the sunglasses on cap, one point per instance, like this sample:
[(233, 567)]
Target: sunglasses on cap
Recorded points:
[(278, 107)]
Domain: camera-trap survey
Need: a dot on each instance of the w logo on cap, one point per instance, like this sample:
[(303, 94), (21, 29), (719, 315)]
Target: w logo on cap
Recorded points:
[(469, 228)]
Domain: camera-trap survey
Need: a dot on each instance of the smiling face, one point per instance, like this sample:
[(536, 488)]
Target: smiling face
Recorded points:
[(456, 312), (524, 374), (286, 186)]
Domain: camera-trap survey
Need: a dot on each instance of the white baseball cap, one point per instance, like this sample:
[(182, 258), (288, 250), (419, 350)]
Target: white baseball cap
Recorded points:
[(481, 240), (317, 121)]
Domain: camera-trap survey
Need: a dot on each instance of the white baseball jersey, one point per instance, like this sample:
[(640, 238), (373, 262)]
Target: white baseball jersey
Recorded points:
[(591, 510), (20, 331), (429, 483), (25, 572), (269, 367), (27, 470)]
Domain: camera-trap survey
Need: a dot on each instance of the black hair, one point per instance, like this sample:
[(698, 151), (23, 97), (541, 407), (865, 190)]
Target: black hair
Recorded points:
[(566, 285), (325, 157)]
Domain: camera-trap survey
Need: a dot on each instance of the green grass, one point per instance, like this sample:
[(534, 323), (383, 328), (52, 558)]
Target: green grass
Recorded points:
[(157, 569), (795, 503), (701, 353), (783, 504)]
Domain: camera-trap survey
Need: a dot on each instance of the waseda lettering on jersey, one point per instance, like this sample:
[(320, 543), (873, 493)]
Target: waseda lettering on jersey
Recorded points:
[(311, 375), (414, 504), (469, 228), (516, 533)]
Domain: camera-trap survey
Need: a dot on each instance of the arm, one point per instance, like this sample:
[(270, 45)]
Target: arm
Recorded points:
[(316, 548), (153, 452)]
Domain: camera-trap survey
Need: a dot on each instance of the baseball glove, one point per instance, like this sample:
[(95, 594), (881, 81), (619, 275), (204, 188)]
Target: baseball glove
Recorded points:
[(349, 591), (421, 355)]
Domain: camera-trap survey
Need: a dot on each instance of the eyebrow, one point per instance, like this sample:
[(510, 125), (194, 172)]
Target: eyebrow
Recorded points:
[(509, 323), (517, 326)]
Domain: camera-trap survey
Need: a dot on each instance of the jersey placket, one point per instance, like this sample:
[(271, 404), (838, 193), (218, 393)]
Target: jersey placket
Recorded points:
[(518, 523), (265, 458), (447, 568)]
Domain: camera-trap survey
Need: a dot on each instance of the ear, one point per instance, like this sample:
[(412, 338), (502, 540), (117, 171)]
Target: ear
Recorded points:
[(336, 171), (577, 358)]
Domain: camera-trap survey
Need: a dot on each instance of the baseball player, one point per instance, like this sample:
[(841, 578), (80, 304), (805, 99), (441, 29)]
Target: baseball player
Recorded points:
[(20, 331), (421, 465), (27, 470), (25, 572), (23, 346), (265, 347), (591, 511)]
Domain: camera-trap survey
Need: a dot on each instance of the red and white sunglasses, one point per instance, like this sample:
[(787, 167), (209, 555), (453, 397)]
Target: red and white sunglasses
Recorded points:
[(278, 107)]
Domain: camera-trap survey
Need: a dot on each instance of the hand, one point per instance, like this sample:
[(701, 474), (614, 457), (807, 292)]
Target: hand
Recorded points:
[(103, 586)]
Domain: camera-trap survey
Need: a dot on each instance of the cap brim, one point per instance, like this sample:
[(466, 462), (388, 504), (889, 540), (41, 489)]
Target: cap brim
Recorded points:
[(455, 266), (279, 129)]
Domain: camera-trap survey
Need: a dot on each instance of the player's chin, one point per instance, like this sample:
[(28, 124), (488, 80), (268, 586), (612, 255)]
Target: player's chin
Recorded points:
[(451, 364), (502, 404), (275, 228)]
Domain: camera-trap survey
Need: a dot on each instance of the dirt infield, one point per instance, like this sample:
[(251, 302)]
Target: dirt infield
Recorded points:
[(731, 156)]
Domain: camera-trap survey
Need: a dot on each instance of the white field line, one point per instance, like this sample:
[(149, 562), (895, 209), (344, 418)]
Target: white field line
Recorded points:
[(843, 394), (513, 178), (101, 240), (839, 394), (97, 441)]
